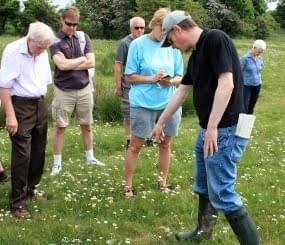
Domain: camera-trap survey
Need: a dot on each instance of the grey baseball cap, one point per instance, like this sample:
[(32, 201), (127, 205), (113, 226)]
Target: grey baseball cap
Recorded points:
[(172, 19)]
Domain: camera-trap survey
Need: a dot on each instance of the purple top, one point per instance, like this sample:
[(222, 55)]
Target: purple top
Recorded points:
[(70, 47)]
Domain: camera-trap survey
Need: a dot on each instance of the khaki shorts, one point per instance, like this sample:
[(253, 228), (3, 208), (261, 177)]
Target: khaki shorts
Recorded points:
[(65, 102)]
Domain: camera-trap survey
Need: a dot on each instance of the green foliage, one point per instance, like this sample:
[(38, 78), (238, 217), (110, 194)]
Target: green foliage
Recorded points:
[(244, 8), (9, 10), (259, 6), (220, 17), (37, 10), (264, 25), (279, 13), (146, 8), (109, 19)]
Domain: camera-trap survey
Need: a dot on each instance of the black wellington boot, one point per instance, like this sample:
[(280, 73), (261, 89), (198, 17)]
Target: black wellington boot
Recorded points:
[(207, 217), (244, 227)]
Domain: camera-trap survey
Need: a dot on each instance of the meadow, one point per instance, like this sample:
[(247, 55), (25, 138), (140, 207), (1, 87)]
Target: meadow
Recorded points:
[(85, 204)]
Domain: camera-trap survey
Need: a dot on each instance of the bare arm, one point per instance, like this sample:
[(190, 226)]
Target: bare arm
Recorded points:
[(118, 78), (88, 63), (221, 99), (11, 121), (136, 78), (172, 81), (67, 64), (175, 102)]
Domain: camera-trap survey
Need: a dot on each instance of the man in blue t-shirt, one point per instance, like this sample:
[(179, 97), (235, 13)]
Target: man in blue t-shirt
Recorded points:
[(214, 74)]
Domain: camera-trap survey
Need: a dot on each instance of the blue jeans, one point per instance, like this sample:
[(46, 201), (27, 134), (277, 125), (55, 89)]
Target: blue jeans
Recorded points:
[(215, 176)]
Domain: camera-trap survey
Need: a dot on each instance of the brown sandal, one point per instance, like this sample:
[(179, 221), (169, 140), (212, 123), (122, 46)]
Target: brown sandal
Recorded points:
[(129, 192), (166, 188)]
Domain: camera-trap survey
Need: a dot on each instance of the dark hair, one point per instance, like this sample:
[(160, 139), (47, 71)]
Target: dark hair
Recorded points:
[(187, 23)]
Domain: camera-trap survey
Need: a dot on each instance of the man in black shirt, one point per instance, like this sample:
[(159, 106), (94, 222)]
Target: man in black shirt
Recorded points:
[(215, 75)]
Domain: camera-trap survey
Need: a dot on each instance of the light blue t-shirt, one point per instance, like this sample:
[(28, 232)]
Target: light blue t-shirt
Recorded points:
[(146, 57), (251, 69)]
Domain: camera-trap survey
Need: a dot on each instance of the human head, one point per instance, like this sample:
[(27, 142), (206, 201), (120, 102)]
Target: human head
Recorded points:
[(258, 47), (155, 23), (158, 17), (40, 36), (137, 25), (175, 18), (69, 19)]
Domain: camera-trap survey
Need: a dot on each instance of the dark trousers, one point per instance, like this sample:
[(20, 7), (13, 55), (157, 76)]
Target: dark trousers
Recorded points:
[(250, 95), (28, 147)]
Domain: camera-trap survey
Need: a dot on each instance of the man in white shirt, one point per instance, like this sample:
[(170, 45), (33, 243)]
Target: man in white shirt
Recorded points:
[(25, 74)]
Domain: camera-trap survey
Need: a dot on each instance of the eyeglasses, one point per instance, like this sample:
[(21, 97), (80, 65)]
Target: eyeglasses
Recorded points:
[(70, 24), (139, 27)]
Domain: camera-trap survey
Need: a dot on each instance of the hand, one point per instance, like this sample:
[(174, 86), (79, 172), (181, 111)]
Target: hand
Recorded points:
[(158, 76), (118, 91), (210, 142), (165, 81), (11, 125), (157, 133)]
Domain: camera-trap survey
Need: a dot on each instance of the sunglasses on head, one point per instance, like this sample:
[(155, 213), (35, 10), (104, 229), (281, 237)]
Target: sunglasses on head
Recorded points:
[(139, 27), (70, 24)]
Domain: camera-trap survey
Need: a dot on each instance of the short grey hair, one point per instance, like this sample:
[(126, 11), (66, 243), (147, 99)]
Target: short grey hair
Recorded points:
[(40, 32), (260, 44), (134, 19)]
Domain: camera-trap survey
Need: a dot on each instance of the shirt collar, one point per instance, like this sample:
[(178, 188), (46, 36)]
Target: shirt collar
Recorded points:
[(201, 38), (61, 34), (24, 46)]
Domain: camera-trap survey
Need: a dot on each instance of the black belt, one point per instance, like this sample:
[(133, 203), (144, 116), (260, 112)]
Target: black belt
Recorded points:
[(27, 99)]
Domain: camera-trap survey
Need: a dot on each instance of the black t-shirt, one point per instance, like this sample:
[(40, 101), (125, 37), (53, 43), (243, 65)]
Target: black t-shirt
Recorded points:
[(214, 54)]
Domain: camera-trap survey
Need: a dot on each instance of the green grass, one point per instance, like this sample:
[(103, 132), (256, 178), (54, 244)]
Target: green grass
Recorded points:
[(85, 204)]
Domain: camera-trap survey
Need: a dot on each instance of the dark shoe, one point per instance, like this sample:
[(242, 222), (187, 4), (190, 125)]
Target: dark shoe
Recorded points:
[(149, 142), (207, 217), (4, 177), (127, 144), (21, 213), (244, 227)]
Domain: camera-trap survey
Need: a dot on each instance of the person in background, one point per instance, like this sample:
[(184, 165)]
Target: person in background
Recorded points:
[(215, 75), (72, 90), (147, 67), (137, 26), (25, 74), (251, 66), (3, 175)]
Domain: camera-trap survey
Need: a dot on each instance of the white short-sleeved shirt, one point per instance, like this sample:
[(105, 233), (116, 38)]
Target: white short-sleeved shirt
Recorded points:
[(23, 74)]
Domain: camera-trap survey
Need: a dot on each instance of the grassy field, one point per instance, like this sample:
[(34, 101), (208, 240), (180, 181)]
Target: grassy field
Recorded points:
[(85, 204)]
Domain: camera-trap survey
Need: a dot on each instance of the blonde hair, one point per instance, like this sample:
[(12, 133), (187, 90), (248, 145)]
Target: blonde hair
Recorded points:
[(158, 17)]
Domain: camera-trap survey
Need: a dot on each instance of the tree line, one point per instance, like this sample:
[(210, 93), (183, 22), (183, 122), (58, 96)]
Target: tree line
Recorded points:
[(108, 19)]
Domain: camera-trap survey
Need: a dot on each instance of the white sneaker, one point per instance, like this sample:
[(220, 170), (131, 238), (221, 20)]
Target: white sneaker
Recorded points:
[(55, 170), (95, 161)]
